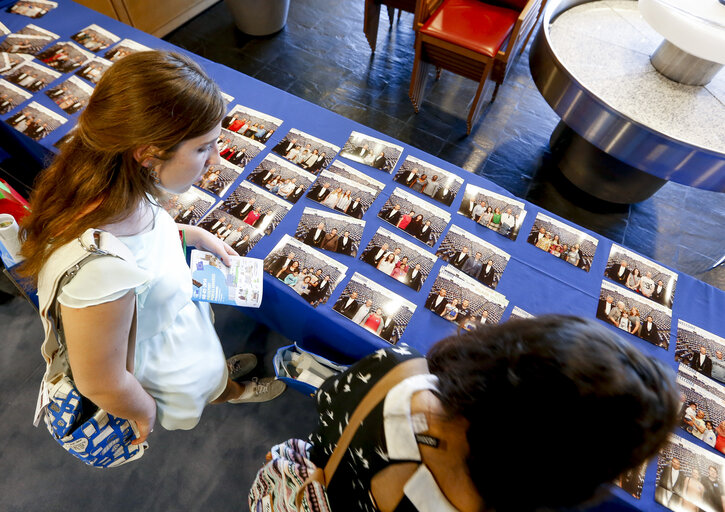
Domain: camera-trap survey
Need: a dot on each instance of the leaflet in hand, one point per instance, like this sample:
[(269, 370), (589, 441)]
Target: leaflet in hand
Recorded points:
[(237, 285)]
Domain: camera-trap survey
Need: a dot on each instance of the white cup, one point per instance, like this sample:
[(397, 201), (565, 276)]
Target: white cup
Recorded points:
[(10, 250)]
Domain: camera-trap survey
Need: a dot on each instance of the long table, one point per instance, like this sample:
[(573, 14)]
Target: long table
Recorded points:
[(533, 280)]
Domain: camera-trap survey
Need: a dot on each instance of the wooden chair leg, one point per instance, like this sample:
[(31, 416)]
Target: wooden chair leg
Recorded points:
[(418, 79), (391, 15), (438, 73), (475, 111), (370, 22), (495, 92)]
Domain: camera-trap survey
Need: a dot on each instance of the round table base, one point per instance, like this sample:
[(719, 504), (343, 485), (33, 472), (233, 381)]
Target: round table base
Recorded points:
[(682, 67)]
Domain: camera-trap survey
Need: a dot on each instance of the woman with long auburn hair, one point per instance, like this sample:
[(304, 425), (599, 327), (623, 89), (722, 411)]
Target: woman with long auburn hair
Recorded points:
[(150, 129)]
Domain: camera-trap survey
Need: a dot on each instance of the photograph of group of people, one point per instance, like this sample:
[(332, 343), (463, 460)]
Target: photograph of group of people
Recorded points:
[(24, 44), (64, 57), (428, 179), (93, 69), (473, 256), (310, 273), (330, 231), (310, 153), (256, 207), (71, 96), (36, 121), (703, 407), (342, 194), (465, 302), (239, 235), (498, 213), (95, 38), (375, 308), (32, 8), (343, 170), (251, 124), (519, 314), (632, 481), (370, 151), (219, 177), (689, 478), (563, 241), (189, 207), (417, 217), (125, 47), (236, 149), (10, 60), (11, 96), (398, 258), (701, 350), (281, 178), (634, 314), (641, 275), (31, 76)]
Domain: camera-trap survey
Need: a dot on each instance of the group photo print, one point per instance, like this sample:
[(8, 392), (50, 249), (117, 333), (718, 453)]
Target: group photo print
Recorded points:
[(375, 308), (367, 150), (39, 38), (239, 235), (701, 350), (340, 168), (237, 150), (11, 96), (281, 178), (256, 207), (415, 216), (632, 481), (251, 124), (398, 258), (219, 177), (31, 76), (432, 181), (308, 152), (36, 121), (10, 60), (64, 56), (501, 214), (94, 38), (125, 47), (330, 231), (93, 69), (32, 8), (703, 407), (189, 207), (563, 241), (473, 256), (71, 96), (307, 271), (641, 275), (519, 314), (342, 194)]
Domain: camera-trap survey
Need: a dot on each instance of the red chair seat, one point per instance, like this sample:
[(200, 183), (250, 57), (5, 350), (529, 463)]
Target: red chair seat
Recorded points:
[(471, 24)]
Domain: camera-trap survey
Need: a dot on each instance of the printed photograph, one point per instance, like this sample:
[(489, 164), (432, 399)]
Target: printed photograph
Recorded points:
[(239, 235), (501, 214), (95, 38), (563, 241), (310, 153), (631, 481), (367, 150), (310, 273), (473, 256), (342, 194), (125, 47), (704, 407), (641, 275), (465, 302), (375, 308), (35, 30), (347, 171), (65, 56), (330, 231), (416, 216), (398, 258), (282, 178), (31, 76), (11, 96), (256, 207), (219, 177), (25, 44), (10, 60), (36, 121), (94, 69), (251, 124), (519, 314), (4, 30), (700, 350), (429, 180), (634, 314), (71, 96), (189, 207), (237, 150), (689, 478), (66, 138), (32, 8)]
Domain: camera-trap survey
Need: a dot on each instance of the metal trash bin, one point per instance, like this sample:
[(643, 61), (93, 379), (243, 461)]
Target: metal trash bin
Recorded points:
[(259, 17)]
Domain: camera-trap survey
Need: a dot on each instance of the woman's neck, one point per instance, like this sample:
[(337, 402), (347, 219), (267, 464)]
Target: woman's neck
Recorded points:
[(141, 220)]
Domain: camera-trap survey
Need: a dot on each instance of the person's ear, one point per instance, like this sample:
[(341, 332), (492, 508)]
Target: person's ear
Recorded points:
[(146, 156)]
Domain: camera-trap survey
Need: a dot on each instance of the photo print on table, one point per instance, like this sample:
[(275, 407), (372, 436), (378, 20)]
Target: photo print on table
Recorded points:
[(67, 138), (31, 76), (36, 121), (228, 98), (24, 44), (473, 256), (346, 171), (93, 69), (330, 231), (701, 350), (125, 47), (219, 177), (375, 308), (398, 258), (310, 153), (498, 213), (641, 275), (634, 314), (239, 235), (704, 405), (689, 477), (465, 302), (434, 182), (94, 38), (370, 151), (237, 150), (10, 60), (4, 30), (64, 56), (342, 194), (416, 216), (35, 30), (251, 124), (519, 314), (632, 480), (281, 178), (32, 8), (563, 241), (71, 95), (189, 207), (11, 96), (256, 207), (310, 273)]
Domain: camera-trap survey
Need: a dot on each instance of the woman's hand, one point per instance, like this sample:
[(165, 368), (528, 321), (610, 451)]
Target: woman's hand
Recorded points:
[(145, 425), (202, 239)]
